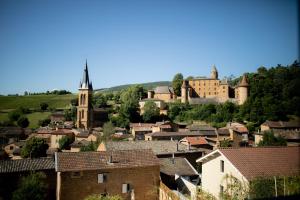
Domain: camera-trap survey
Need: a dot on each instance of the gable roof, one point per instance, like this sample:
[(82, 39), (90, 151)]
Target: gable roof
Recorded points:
[(22, 165), (177, 165), (282, 124), (195, 140), (261, 161), (158, 147), (78, 161), (164, 90)]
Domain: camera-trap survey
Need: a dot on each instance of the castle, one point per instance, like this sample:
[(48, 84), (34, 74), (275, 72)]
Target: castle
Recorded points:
[(204, 89)]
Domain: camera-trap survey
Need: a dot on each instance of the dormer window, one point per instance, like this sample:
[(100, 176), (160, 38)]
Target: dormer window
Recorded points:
[(222, 165)]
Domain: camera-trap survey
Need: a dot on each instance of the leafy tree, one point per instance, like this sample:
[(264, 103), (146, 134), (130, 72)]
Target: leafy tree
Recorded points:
[(23, 110), (108, 130), (44, 106), (270, 140), (23, 122), (34, 148), (177, 83), (100, 100), (101, 197), (151, 111), (74, 102), (32, 187), (226, 143), (65, 141), (90, 147), (44, 122), (14, 115)]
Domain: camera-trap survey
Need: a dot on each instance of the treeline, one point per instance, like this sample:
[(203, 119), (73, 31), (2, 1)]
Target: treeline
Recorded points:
[(274, 94), (57, 92)]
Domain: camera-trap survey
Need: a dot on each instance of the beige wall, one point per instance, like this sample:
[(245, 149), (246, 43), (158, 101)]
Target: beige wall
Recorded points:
[(212, 177), (83, 112), (145, 185), (164, 97), (264, 128), (54, 140), (242, 95)]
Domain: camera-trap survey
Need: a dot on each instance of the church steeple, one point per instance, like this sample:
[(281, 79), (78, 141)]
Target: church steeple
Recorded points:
[(85, 83)]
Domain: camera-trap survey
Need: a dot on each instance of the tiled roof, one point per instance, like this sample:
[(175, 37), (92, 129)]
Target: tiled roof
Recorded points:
[(194, 127), (183, 134), (264, 161), (223, 131), (196, 140), (80, 143), (77, 161), (244, 81), (282, 124), (62, 132), (134, 125), (11, 131), (241, 128), (177, 165), (164, 90), (158, 147), (22, 165)]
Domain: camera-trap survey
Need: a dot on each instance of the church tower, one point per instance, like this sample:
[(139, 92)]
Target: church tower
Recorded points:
[(214, 73), (84, 109)]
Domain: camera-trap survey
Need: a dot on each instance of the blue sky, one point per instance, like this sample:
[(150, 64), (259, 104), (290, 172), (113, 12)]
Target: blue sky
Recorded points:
[(44, 44)]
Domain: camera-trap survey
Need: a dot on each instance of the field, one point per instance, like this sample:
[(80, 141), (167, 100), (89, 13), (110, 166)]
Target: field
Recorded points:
[(33, 102), (10, 103)]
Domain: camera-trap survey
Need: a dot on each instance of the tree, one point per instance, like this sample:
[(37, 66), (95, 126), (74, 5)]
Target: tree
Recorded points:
[(23, 122), (99, 100), (177, 83), (151, 111), (32, 187), (65, 141), (108, 130), (14, 115), (101, 197), (44, 122), (34, 148), (270, 140), (92, 146), (44, 106)]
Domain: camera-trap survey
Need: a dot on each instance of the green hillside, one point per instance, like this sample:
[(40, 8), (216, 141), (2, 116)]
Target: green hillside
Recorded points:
[(33, 101), (147, 86)]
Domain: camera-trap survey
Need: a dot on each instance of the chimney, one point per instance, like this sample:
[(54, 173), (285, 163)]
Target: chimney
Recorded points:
[(173, 158)]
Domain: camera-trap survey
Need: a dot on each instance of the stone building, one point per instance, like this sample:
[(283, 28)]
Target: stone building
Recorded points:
[(87, 116), (81, 174), (210, 89), (164, 93)]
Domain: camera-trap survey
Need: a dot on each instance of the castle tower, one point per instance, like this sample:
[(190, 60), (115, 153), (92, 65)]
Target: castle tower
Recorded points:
[(214, 73), (84, 109), (242, 90), (184, 91)]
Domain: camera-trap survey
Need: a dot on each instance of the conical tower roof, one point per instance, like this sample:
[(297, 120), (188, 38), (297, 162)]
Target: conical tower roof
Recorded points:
[(244, 82)]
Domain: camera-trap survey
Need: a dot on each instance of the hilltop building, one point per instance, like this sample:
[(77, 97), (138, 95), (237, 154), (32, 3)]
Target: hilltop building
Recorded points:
[(87, 116), (210, 89)]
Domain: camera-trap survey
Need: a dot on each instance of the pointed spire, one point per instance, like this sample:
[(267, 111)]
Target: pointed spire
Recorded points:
[(85, 83)]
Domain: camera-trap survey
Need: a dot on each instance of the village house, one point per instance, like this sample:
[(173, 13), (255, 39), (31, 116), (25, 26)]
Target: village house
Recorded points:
[(288, 130), (13, 149), (159, 104), (138, 130), (180, 135), (198, 142), (162, 149), (78, 144), (246, 164), (12, 133), (164, 93), (238, 134), (12, 171), (57, 117), (108, 173), (179, 176)]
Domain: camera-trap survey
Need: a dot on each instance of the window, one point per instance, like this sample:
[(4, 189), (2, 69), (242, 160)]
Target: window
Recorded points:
[(102, 178), (125, 188), (221, 189), (11, 148), (76, 174), (222, 165), (82, 114)]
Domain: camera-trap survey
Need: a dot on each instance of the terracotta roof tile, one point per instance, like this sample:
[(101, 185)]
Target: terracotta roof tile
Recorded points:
[(22, 165), (78, 161), (264, 161), (196, 140)]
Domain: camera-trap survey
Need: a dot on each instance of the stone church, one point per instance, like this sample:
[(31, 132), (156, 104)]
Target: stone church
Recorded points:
[(88, 116)]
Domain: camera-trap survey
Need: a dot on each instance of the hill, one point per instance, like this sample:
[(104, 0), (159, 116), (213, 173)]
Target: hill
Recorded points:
[(147, 86), (33, 101)]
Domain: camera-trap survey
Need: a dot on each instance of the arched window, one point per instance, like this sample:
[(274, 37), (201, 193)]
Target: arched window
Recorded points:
[(79, 115), (84, 99), (82, 114)]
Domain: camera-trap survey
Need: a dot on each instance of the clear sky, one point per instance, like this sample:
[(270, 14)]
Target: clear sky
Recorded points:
[(44, 44)]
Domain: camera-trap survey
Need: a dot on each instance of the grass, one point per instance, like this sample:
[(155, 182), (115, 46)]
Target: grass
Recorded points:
[(35, 117), (33, 102)]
